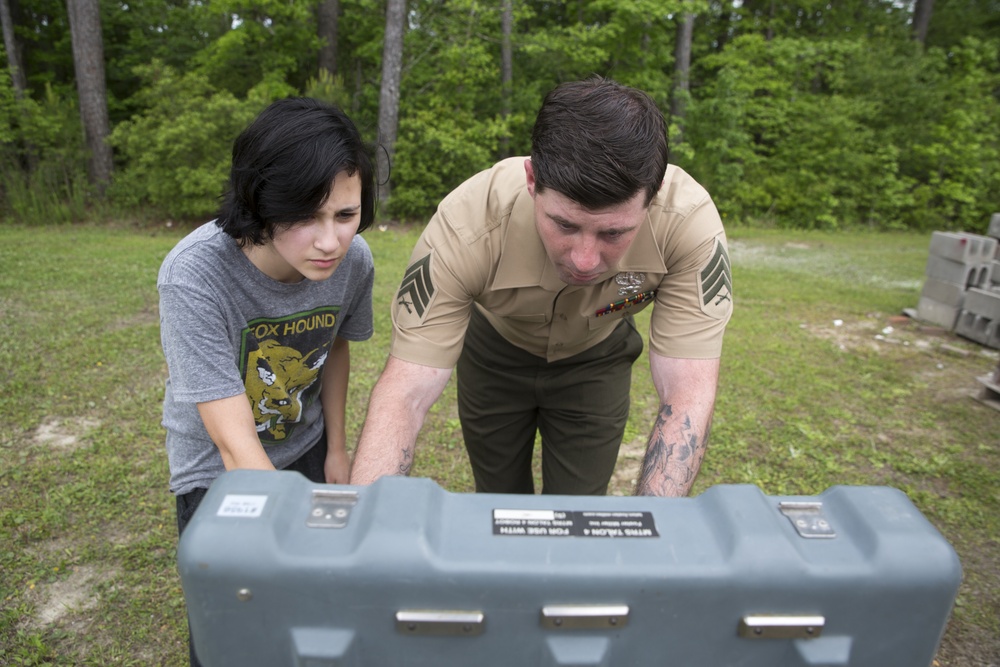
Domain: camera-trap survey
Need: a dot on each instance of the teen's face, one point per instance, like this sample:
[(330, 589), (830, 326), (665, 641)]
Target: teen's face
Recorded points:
[(313, 249), (582, 243)]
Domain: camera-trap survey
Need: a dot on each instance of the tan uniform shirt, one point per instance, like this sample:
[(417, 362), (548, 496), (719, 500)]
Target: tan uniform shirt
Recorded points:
[(481, 247)]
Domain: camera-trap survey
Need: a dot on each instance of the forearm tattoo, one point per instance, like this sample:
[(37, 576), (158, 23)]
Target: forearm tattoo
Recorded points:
[(407, 463), (669, 467)]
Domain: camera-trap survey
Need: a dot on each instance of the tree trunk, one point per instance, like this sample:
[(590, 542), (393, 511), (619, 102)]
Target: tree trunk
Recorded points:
[(327, 18), (506, 69), (771, 11), (388, 101), (922, 10), (88, 60), (13, 51), (682, 71)]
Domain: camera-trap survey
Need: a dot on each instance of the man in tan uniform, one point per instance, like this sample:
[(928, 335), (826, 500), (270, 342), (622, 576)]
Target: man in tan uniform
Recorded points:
[(526, 280)]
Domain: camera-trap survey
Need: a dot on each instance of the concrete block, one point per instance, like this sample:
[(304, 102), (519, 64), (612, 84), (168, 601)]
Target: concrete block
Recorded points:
[(963, 247), (994, 230), (985, 303), (937, 313), (995, 273), (990, 393), (957, 273), (979, 329), (948, 294)]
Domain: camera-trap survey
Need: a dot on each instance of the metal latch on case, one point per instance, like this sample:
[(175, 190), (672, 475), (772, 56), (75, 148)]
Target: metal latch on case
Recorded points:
[(330, 508), (584, 617), (808, 519), (428, 622), (765, 626)]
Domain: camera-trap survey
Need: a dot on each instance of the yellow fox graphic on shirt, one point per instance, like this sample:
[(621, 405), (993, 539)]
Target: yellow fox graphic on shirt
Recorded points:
[(276, 378), (282, 361)]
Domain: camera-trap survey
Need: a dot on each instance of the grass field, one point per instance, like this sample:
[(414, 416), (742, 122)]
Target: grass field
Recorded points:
[(822, 384)]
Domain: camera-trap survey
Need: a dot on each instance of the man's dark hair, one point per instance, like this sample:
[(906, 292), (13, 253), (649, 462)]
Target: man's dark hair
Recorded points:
[(599, 143), (284, 163)]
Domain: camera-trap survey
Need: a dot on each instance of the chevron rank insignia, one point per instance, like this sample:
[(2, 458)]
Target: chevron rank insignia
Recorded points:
[(715, 283), (416, 290)]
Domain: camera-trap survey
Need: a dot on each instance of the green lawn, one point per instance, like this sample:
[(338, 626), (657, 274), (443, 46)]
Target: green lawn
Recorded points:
[(820, 386)]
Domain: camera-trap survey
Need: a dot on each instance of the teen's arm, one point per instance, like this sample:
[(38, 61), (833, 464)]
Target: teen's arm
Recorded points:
[(230, 424), (399, 402), (679, 437), (333, 396)]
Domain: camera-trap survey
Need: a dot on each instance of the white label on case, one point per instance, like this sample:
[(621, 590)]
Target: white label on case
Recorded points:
[(246, 507)]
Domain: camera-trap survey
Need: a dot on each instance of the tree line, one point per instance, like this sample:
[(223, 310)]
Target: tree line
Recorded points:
[(811, 114)]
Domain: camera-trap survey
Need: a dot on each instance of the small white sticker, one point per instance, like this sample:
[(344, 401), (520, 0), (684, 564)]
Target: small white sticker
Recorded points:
[(247, 507)]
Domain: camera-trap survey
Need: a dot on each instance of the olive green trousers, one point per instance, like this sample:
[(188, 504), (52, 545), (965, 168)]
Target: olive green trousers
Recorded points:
[(579, 405)]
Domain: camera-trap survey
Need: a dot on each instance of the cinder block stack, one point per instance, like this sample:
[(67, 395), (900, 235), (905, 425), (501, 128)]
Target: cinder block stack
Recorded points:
[(994, 232), (980, 316), (989, 393), (962, 288)]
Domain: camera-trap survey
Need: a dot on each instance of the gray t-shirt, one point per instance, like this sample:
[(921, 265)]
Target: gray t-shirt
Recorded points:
[(228, 329)]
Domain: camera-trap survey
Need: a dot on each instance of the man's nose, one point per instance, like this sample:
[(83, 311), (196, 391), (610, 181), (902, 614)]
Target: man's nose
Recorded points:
[(585, 255)]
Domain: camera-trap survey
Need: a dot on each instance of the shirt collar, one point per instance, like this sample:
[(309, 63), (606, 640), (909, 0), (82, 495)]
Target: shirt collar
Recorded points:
[(523, 260)]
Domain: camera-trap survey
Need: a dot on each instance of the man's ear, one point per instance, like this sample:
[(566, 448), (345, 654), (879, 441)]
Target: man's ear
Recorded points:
[(529, 177)]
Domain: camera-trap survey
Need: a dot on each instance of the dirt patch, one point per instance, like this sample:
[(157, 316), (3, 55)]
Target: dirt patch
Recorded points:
[(897, 333), (936, 357), (68, 597), (63, 433)]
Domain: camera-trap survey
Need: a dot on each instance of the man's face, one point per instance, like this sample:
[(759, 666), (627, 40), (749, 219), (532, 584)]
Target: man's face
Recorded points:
[(583, 244)]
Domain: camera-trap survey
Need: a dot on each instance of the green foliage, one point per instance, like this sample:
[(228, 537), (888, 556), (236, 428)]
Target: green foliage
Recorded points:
[(268, 39), (432, 157), (8, 111), (804, 115), (136, 33), (45, 135), (329, 88), (821, 134), (626, 40), (956, 161), (448, 130), (42, 29), (955, 20), (177, 152)]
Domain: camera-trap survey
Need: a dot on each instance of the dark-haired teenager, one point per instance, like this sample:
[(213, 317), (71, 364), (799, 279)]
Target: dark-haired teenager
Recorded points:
[(257, 308), (526, 280)]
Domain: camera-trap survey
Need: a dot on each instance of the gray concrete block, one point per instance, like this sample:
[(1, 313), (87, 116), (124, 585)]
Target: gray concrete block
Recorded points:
[(948, 294), (994, 230), (957, 273), (985, 303), (963, 247), (995, 273), (977, 328), (937, 313)]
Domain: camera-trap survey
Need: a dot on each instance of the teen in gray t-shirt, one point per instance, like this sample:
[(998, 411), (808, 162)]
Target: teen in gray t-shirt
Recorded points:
[(228, 329), (257, 309)]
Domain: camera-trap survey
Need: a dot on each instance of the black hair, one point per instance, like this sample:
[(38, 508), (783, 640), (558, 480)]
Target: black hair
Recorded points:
[(283, 168), (599, 143)]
